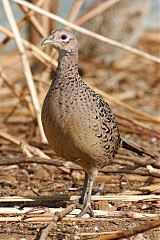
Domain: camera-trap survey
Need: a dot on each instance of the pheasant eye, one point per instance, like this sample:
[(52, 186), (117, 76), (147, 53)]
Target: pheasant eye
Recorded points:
[(63, 37)]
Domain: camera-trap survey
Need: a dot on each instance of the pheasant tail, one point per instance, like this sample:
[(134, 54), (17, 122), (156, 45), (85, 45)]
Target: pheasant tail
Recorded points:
[(130, 145)]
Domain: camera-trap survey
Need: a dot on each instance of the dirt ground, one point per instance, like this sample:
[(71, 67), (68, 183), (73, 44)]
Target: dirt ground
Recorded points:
[(133, 80)]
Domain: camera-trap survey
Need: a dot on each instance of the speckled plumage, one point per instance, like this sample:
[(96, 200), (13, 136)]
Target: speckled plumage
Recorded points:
[(78, 123), (82, 124)]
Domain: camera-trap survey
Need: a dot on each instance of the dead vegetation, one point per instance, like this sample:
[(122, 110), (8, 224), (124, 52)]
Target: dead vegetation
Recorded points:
[(35, 183)]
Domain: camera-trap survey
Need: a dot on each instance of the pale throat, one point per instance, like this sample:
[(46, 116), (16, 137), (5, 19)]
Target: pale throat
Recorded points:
[(67, 60)]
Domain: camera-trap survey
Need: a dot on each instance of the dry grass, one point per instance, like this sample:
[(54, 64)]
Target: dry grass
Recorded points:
[(131, 89)]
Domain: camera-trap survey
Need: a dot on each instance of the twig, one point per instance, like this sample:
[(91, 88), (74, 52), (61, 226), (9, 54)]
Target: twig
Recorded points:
[(138, 125), (45, 214), (26, 148), (74, 10), (125, 105), (127, 170), (57, 217), (147, 189), (102, 93), (17, 93), (19, 160), (58, 162), (30, 46), (153, 171), (26, 67), (23, 20), (131, 232), (31, 151), (88, 32), (60, 197), (35, 23), (136, 128), (99, 9)]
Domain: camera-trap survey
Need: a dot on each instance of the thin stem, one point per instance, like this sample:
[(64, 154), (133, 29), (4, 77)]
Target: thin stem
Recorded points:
[(25, 63), (88, 32)]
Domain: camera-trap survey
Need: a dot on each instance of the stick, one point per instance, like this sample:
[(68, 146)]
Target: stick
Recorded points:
[(57, 217), (74, 10), (25, 63), (105, 213), (102, 93), (30, 46), (131, 232), (26, 148), (60, 197), (45, 214), (23, 21), (95, 11), (58, 162), (88, 32), (153, 171), (137, 125), (31, 151), (125, 105), (22, 99), (37, 26)]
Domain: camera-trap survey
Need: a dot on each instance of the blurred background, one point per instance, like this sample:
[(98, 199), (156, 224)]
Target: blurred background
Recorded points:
[(149, 17)]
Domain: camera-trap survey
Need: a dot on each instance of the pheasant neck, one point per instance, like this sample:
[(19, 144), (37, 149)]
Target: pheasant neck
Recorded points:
[(68, 62)]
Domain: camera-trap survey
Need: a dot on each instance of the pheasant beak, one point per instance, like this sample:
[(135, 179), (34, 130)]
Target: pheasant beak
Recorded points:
[(47, 41)]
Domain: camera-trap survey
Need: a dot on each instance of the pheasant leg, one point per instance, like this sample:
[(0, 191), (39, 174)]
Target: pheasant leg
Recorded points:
[(83, 196)]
